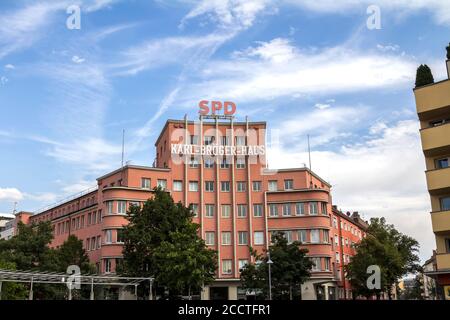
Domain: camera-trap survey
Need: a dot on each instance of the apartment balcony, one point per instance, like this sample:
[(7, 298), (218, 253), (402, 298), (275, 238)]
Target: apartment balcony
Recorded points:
[(441, 221), (438, 181), (436, 140), (433, 100), (443, 261)]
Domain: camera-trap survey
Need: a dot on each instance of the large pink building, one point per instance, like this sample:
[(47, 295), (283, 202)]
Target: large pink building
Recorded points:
[(218, 167)]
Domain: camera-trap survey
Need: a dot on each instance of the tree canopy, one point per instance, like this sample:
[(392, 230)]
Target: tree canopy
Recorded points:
[(290, 268), (384, 246), (424, 76), (161, 241)]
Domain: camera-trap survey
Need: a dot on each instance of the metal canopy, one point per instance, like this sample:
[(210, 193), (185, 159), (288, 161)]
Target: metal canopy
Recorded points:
[(69, 280)]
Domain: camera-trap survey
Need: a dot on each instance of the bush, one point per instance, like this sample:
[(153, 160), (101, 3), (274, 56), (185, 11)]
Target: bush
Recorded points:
[(424, 76)]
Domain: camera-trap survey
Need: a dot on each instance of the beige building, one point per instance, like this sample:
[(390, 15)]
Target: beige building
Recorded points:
[(433, 109)]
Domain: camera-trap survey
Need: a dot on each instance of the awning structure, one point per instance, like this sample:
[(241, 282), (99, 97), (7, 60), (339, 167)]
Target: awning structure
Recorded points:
[(69, 280)]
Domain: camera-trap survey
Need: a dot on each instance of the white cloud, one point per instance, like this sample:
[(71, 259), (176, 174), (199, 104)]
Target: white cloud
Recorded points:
[(235, 14), (9, 66), (77, 59), (322, 106), (10, 194), (383, 176), (386, 48), (3, 80), (276, 68), (439, 9)]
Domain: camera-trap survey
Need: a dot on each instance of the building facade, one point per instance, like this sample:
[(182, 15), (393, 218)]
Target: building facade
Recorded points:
[(219, 169), (433, 109)]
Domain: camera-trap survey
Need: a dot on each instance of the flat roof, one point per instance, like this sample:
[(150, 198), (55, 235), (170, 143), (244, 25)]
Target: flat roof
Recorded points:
[(315, 175), (129, 166)]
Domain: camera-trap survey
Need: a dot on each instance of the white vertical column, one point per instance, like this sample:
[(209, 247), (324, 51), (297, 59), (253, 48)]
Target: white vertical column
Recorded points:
[(233, 205)]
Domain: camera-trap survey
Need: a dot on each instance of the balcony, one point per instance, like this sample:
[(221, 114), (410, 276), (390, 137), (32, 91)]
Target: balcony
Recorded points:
[(443, 261), (436, 140), (440, 221), (431, 100), (438, 181)]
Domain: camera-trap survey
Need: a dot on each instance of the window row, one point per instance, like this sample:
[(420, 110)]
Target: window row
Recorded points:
[(227, 265), (146, 183), (225, 210), (114, 236), (242, 238), (305, 236), (78, 223), (224, 140), (93, 243), (120, 206), (223, 162), (298, 209)]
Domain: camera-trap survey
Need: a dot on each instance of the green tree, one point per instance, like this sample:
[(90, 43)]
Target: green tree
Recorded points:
[(162, 233), (290, 268), (28, 249), (424, 76), (12, 290), (71, 252), (393, 252)]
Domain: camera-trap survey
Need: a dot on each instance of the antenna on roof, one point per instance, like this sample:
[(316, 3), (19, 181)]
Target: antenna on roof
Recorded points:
[(309, 153), (123, 145), (15, 206)]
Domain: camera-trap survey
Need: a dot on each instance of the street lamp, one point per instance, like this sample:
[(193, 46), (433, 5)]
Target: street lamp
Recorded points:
[(269, 263)]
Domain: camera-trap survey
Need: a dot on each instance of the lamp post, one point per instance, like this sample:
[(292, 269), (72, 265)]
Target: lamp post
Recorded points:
[(269, 263)]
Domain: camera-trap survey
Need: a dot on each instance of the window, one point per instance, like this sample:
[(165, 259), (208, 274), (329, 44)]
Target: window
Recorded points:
[(313, 208), (240, 163), (326, 236), (225, 186), (193, 186), (327, 264), (134, 203), (209, 163), (121, 207), (242, 210), (242, 237), (242, 264), (442, 163), (316, 264), (240, 186), (258, 238), (226, 238), (209, 238), (224, 163), (288, 184), (287, 235), (109, 208), (335, 224), (209, 210), (301, 234), (193, 162), (447, 244), (194, 208), (225, 140), (256, 185), (162, 183), (226, 267), (93, 243), (88, 244), (193, 139), (177, 185), (273, 210), (120, 238), (209, 186), (226, 210), (315, 236), (107, 263), (82, 221), (299, 209), (108, 236), (336, 240), (287, 209), (208, 140), (324, 208), (273, 185), (99, 242), (145, 183), (445, 204), (94, 217), (338, 257), (240, 140), (257, 210)]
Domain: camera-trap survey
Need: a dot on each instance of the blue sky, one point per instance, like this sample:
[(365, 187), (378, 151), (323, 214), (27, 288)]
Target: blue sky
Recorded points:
[(306, 67)]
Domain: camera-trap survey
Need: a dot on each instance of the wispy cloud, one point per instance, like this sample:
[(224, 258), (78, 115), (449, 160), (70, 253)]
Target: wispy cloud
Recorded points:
[(10, 194)]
